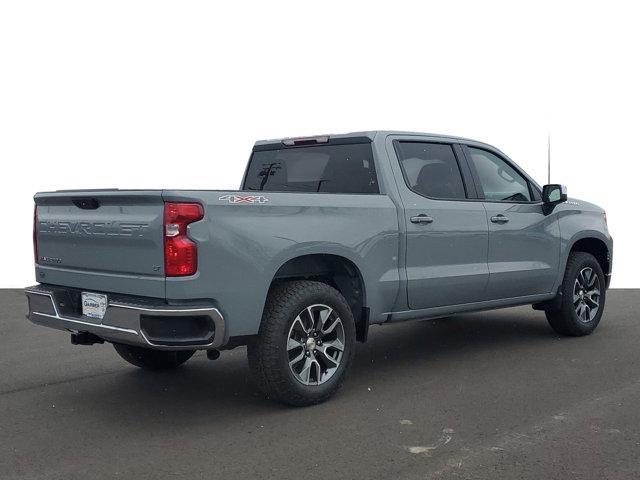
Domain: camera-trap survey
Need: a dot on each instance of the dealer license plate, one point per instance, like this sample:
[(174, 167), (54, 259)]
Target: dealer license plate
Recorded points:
[(94, 305)]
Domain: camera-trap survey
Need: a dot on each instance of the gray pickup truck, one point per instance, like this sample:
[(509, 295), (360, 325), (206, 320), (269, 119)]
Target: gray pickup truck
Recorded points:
[(327, 236)]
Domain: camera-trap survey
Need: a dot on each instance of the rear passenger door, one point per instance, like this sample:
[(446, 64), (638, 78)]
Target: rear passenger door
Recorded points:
[(446, 230), (524, 243)]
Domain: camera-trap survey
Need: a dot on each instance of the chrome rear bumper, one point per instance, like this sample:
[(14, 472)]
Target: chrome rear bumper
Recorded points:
[(130, 320)]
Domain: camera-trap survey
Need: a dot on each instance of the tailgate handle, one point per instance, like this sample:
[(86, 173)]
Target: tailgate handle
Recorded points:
[(86, 203)]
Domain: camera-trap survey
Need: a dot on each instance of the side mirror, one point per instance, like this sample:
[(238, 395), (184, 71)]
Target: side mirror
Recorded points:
[(554, 193)]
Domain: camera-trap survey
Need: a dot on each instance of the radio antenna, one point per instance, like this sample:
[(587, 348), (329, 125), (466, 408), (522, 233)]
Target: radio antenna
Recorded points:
[(548, 158)]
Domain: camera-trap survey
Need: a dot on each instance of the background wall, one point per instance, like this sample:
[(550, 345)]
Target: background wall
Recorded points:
[(160, 94)]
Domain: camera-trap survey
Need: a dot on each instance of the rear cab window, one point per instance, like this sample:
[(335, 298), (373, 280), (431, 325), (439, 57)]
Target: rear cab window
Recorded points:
[(345, 168)]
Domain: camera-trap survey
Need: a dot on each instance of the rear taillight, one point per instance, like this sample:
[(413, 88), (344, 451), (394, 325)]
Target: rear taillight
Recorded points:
[(35, 233), (180, 252)]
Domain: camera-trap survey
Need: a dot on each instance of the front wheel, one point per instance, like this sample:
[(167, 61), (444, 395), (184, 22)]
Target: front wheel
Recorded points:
[(583, 297), (150, 359), (305, 344)]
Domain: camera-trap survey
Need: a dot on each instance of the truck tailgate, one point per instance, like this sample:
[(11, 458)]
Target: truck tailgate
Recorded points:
[(105, 240)]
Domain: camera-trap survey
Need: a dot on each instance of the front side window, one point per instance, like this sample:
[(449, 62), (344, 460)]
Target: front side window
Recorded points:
[(323, 168), (499, 181), (431, 170)]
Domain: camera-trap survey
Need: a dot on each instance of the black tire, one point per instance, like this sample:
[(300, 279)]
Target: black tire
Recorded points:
[(269, 356), (565, 319), (150, 359)]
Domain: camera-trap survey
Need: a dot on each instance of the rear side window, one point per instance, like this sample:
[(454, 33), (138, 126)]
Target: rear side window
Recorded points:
[(431, 170), (323, 168)]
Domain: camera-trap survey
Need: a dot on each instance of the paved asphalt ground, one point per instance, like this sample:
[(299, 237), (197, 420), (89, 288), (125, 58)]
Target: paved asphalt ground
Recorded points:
[(490, 395)]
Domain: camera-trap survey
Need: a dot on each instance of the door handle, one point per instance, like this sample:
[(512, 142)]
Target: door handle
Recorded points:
[(499, 219), (422, 218)]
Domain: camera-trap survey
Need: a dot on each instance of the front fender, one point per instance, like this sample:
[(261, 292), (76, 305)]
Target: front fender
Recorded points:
[(576, 225)]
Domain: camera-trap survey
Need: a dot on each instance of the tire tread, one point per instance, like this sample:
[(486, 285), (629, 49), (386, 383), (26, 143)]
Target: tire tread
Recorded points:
[(265, 351), (562, 319)]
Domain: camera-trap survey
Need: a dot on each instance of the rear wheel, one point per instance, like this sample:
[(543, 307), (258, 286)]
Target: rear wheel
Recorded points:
[(305, 344), (150, 359), (583, 297)]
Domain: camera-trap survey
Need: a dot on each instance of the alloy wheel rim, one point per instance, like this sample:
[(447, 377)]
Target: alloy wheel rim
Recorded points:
[(586, 295), (315, 344)]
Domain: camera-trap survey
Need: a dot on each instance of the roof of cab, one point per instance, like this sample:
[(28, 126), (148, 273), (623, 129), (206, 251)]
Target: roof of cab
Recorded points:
[(371, 135)]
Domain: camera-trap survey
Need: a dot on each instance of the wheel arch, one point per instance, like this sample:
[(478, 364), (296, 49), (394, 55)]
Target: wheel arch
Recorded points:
[(596, 247), (337, 271)]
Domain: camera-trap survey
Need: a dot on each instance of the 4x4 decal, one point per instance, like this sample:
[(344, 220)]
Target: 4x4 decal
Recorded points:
[(244, 199)]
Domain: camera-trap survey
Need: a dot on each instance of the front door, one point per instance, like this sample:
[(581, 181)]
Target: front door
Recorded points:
[(446, 231), (524, 243)]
